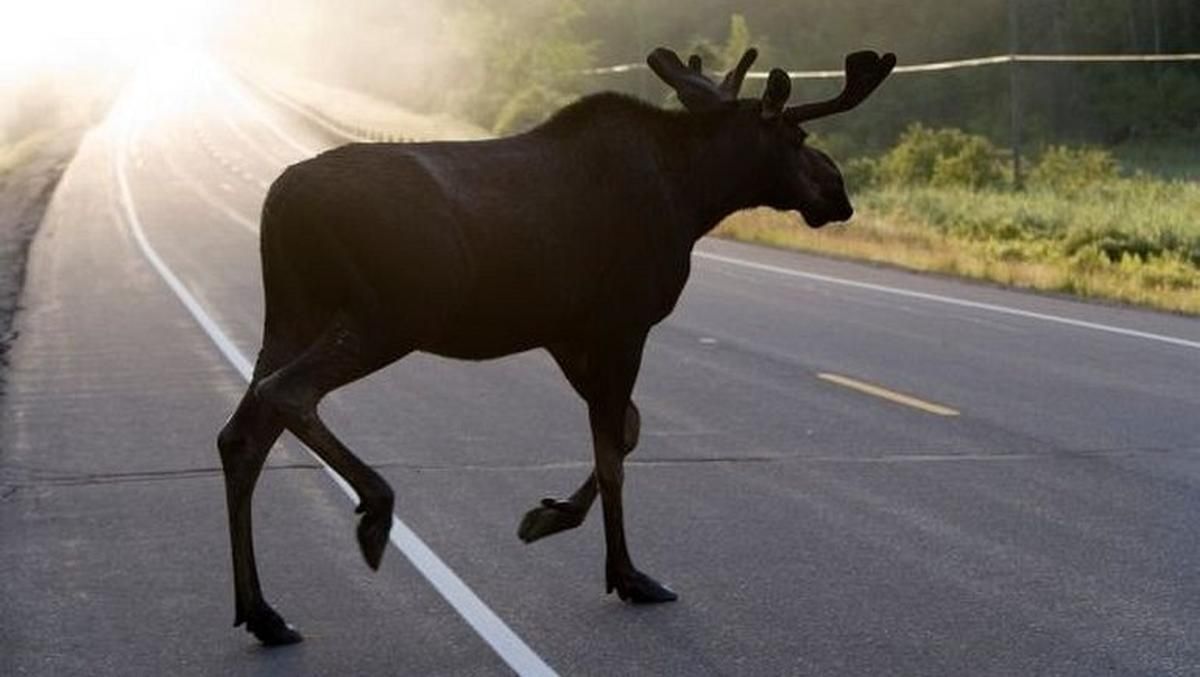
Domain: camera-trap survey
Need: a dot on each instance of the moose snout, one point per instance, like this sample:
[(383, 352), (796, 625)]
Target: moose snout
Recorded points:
[(844, 212), (837, 207), (838, 210)]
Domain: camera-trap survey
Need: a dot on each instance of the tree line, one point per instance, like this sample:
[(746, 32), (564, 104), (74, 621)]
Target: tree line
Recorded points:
[(508, 65)]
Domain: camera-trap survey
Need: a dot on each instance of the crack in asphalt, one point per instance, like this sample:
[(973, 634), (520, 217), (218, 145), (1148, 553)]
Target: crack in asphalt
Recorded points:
[(14, 478)]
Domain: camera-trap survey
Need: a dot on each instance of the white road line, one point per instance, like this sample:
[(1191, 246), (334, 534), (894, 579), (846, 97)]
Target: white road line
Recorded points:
[(307, 114), (227, 348), (949, 300), (208, 198), (263, 153), (511, 648), (267, 155), (256, 110)]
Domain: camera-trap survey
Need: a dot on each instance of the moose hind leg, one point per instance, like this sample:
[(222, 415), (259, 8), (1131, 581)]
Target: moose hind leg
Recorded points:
[(555, 514), (339, 356), (243, 444)]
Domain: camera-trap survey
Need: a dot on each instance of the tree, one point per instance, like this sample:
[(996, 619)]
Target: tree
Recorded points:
[(525, 62)]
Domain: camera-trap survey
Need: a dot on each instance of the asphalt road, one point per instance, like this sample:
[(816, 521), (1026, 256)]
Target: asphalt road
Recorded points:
[(1031, 508)]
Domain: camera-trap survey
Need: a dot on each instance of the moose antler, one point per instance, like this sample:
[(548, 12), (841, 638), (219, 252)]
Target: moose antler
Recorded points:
[(732, 83), (695, 90), (864, 72)]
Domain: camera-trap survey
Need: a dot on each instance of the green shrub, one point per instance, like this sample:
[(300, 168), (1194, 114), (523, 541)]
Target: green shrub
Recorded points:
[(1069, 170), (941, 157), (860, 173), (1089, 260), (973, 165)]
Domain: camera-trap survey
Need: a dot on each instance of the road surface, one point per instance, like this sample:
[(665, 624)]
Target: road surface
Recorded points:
[(843, 470)]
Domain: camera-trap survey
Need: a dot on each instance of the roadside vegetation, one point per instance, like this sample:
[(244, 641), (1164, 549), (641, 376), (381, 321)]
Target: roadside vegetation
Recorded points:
[(39, 131), (24, 190), (944, 201), (16, 153)]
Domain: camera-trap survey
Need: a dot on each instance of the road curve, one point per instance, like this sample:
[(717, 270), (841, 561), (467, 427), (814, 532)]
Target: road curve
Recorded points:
[(1039, 516)]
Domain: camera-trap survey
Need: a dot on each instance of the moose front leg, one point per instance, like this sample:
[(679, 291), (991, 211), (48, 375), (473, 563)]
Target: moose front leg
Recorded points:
[(555, 514), (607, 392), (620, 574)]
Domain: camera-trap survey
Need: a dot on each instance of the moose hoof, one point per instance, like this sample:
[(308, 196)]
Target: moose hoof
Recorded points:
[(551, 517), (373, 531), (270, 629), (638, 588)]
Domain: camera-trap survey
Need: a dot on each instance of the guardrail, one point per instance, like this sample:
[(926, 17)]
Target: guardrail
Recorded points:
[(935, 66), (339, 128)]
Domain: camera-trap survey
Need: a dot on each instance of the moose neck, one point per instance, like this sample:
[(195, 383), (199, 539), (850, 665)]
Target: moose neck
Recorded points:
[(705, 163), (713, 171)]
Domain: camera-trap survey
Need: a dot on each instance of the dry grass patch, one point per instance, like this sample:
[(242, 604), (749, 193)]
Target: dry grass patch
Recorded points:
[(1165, 283)]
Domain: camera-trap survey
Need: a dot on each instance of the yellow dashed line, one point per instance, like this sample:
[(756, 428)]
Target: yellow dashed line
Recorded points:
[(890, 395)]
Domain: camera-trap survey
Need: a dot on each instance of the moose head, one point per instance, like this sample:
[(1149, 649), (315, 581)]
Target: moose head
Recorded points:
[(801, 178)]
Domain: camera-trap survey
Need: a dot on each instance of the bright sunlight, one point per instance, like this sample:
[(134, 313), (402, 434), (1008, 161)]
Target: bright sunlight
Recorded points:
[(54, 34)]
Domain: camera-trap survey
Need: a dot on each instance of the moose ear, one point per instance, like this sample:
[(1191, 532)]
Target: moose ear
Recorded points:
[(775, 96)]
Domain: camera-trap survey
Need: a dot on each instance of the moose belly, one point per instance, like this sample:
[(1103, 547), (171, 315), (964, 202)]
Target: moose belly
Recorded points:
[(502, 319), (482, 335), (482, 345)]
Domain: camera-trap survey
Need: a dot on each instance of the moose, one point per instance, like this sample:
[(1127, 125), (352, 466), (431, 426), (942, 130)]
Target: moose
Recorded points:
[(575, 237)]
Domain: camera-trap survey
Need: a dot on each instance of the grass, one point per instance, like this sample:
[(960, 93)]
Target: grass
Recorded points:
[(1132, 240), (16, 154)]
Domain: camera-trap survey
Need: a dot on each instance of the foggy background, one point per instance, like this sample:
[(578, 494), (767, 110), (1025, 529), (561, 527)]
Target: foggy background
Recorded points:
[(505, 66)]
